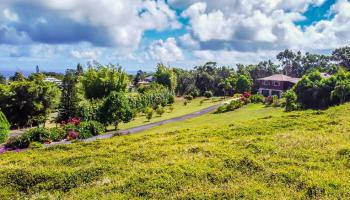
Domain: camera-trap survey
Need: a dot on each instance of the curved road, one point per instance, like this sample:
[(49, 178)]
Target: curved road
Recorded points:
[(143, 127)]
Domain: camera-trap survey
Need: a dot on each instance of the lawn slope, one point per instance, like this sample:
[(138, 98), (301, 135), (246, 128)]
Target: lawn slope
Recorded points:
[(251, 153)]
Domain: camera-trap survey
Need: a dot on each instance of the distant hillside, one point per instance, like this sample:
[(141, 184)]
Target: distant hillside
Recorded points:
[(251, 153)]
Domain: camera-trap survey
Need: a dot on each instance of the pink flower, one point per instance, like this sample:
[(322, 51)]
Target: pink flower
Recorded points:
[(72, 135)]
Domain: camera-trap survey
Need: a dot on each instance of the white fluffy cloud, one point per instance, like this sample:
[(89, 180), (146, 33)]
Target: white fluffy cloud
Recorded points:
[(165, 51)]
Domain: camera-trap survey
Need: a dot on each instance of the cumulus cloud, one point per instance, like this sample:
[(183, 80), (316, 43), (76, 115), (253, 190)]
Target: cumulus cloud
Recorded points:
[(103, 23), (165, 51)]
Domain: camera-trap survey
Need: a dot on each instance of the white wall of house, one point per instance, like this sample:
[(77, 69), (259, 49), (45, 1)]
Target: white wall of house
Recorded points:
[(270, 91)]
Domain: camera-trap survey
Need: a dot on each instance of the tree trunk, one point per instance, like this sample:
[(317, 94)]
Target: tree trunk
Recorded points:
[(116, 125)]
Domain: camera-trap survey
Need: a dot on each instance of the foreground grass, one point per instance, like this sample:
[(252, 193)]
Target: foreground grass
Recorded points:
[(251, 153), (179, 110)]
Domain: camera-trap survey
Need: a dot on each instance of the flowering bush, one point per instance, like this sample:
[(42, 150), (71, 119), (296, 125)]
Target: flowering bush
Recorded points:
[(269, 100), (74, 120), (246, 94), (72, 135)]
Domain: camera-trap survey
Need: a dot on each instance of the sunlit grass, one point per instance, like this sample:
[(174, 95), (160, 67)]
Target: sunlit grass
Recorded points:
[(251, 153)]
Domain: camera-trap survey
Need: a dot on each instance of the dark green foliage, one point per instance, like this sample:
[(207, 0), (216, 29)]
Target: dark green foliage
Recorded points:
[(188, 97), (243, 84), (98, 82), (4, 127), (2, 79), (18, 76), (40, 135), (89, 129), (115, 109), (342, 56), (208, 94), (28, 102), (69, 104)]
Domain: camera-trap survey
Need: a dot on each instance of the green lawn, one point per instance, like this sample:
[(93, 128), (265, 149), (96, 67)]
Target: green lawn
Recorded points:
[(251, 153), (179, 110)]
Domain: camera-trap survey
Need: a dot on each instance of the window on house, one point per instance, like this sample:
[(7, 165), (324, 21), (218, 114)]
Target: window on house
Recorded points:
[(276, 83), (266, 82)]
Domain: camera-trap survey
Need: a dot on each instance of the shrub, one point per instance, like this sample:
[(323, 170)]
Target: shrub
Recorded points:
[(74, 120), (234, 104), (171, 99), (39, 135), (208, 94), (171, 108), (19, 142), (149, 113), (276, 101), (221, 109), (89, 129), (268, 100), (36, 145), (72, 135), (189, 97), (160, 110), (57, 134), (257, 98), (185, 103), (4, 128), (195, 93), (291, 100), (247, 95)]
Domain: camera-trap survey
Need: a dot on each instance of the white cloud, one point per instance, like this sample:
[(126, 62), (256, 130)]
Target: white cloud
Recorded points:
[(85, 54), (165, 51), (125, 20), (231, 58), (11, 16), (188, 42)]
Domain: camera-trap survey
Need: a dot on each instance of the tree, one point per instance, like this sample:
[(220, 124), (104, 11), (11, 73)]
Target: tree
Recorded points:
[(37, 70), (291, 62), (98, 82), (342, 56), (140, 76), (291, 100), (166, 76), (28, 102), (18, 76), (69, 104), (243, 84), (116, 109), (2, 79), (4, 127), (341, 91), (80, 69)]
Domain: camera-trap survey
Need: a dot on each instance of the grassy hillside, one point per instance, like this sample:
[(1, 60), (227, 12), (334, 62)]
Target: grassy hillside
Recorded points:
[(251, 153)]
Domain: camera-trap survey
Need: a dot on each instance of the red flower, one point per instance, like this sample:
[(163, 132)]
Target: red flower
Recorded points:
[(74, 120)]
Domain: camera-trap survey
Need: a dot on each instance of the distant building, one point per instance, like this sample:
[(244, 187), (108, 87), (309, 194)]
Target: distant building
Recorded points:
[(148, 79), (276, 84), (53, 80)]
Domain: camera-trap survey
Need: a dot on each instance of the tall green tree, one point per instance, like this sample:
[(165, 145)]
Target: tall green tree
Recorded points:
[(166, 76), (98, 82), (243, 84), (115, 109), (70, 97), (342, 56)]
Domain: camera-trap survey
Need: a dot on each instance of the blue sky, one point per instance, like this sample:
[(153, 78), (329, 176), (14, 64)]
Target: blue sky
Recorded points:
[(137, 34)]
